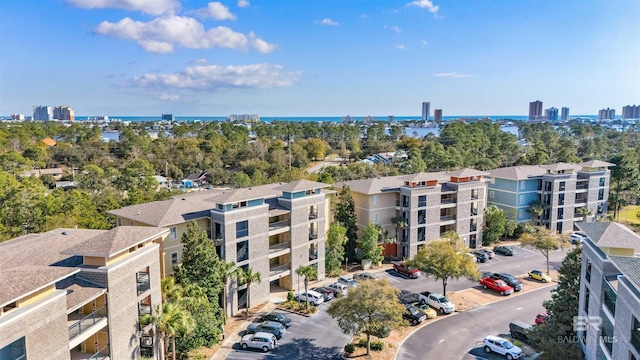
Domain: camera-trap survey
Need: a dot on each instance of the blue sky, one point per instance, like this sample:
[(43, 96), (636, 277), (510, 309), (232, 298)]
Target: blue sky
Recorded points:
[(318, 58)]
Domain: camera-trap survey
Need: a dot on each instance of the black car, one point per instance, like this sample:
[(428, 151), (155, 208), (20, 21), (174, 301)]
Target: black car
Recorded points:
[(509, 279), (414, 315), (481, 256), (504, 250), (281, 318), (326, 292)]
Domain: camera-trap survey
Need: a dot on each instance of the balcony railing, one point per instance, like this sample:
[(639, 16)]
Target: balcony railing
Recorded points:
[(279, 247), (278, 269), (447, 217), (313, 254), (447, 200), (313, 235), (102, 354), (87, 322), (279, 224), (582, 186), (313, 215), (474, 212)]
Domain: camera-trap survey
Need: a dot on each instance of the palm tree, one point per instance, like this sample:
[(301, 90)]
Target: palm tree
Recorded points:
[(585, 213), (536, 208), (229, 271), (399, 222), (309, 272), (249, 276), (170, 319)]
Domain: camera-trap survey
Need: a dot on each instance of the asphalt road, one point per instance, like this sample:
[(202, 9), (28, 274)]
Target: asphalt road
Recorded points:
[(460, 336), (314, 338)]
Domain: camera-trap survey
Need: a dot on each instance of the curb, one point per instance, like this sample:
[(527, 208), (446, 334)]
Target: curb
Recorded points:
[(438, 318)]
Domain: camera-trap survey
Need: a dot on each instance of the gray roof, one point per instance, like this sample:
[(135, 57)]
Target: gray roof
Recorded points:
[(302, 185), (462, 173), (630, 267), (377, 185), (21, 281), (610, 234), (115, 241), (562, 166), (518, 172), (423, 176), (79, 291), (596, 164), (245, 194)]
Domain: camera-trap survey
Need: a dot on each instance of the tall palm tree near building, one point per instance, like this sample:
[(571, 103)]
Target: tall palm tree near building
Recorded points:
[(248, 276), (170, 320), (309, 272), (536, 208), (399, 222), (585, 213), (229, 272)]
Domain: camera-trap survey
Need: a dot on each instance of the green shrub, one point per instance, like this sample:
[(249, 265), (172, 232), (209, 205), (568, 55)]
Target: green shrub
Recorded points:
[(377, 345), (517, 343), (290, 296), (349, 348), (362, 342)]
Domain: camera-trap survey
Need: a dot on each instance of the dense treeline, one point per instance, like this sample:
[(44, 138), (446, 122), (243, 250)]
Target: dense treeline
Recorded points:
[(112, 174)]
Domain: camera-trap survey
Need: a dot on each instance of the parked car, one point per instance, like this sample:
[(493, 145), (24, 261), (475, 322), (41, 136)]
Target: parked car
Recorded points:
[(496, 285), (437, 301), (501, 346), (277, 317), (314, 297), (365, 276), (576, 238), (402, 268), (414, 315), (520, 330), (481, 257), (348, 281), (539, 275), (260, 340), (271, 327), (339, 289), (431, 313), (488, 252), (541, 318), (509, 279), (325, 291), (504, 250)]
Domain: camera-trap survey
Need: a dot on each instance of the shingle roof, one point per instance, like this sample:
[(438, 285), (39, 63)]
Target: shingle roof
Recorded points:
[(244, 194), (467, 173), (562, 166), (377, 185), (518, 172), (20, 281), (301, 185), (79, 291), (115, 241), (596, 164), (168, 212), (423, 176), (630, 267), (610, 234)]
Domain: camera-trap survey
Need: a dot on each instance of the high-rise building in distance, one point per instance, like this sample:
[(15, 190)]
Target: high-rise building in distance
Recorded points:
[(44, 113), (437, 116), (426, 110), (607, 114), (63, 113), (631, 112), (565, 114), (551, 114), (535, 110), (168, 117)]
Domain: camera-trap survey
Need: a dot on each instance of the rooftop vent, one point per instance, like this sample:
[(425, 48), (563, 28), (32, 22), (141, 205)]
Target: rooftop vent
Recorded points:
[(64, 233)]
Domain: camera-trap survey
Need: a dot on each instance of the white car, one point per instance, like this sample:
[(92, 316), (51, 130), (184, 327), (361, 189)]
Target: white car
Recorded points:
[(501, 346), (260, 340), (338, 288), (577, 238), (313, 297), (348, 281)]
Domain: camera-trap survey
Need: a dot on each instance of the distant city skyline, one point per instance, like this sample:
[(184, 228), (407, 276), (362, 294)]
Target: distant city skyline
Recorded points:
[(318, 57)]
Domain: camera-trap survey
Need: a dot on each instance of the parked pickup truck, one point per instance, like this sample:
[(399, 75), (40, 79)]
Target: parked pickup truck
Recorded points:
[(496, 285), (405, 270), (437, 301)]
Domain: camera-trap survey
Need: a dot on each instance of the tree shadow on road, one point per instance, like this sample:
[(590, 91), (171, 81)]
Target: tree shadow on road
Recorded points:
[(305, 349)]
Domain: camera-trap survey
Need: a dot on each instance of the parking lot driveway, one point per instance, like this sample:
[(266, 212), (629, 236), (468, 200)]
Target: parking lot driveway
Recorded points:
[(315, 338)]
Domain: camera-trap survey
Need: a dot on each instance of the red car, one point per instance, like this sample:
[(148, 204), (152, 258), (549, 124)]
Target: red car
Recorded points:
[(541, 318), (496, 285), (407, 271)]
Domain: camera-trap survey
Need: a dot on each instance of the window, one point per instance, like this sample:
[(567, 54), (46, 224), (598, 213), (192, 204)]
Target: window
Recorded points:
[(492, 194), (635, 334), (242, 249), (559, 227), (586, 300), (522, 184), (548, 186), (562, 185), (375, 199), (422, 216), (118, 222), (174, 259), (242, 229), (610, 297), (405, 201), (421, 234), (16, 350), (131, 222), (522, 199), (601, 194), (601, 181), (375, 217), (606, 333), (173, 233), (422, 200), (560, 199), (588, 272), (560, 213), (520, 214)]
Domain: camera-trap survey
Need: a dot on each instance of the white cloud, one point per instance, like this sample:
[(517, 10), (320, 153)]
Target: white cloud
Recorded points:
[(215, 10), (326, 21), (400, 46), (454, 75), (424, 43), (161, 34), (243, 3), (395, 28), (425, 4), (153, 7), (213, 77), (168, 97)]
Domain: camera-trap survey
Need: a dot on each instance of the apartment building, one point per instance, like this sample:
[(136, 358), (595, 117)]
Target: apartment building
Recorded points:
[(609, 326), (429, 204), (564, 189), (79, 294), (274, 229)]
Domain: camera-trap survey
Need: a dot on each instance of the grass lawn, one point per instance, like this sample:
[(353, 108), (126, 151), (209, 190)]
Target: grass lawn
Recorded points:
[(628, 213)]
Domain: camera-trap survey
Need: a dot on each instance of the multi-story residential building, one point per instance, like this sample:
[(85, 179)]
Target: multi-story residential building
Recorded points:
[(168, 117), (631, 112), (63, 113), (437, 116), (426, 110), (562, 188), (44, 113), (535, 110), (607, 114), (430, 204), (608, 325), (274, 229), (80, 294), (17, 117), (565, 114), (551, 114)]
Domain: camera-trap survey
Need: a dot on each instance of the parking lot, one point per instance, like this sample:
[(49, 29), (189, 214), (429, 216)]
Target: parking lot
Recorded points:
[(316, 337)]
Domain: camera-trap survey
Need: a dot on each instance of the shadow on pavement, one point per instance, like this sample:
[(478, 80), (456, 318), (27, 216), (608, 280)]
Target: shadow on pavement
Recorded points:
[(305, 349)]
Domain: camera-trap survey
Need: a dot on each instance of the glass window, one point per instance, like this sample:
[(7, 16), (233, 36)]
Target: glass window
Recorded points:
[(601, 181), (421, 234), (601, 194), (242, 229), (422, 200), (560, 199), (522, 185), (586, 300), (522, 199), (492, 194), (375, 199), (635, 334), (242, 249), (562, 186), (422, 216), (375, 217), (15, 350), (173, 234), (174, 259), (560, 213), (588, 272), (520, 214)]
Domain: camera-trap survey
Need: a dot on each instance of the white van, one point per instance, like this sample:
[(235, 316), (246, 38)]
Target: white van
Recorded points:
[(313, 297), (339, 289), (348, 281)]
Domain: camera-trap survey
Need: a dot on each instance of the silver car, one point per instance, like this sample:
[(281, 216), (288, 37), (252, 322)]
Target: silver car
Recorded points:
[(260, 340)]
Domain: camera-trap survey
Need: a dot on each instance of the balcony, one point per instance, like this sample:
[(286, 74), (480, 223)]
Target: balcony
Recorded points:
[(313, 235), (279, 269), (473, 212), (102, 354), (582, 186), (313, 254), (279, 224), (447, 200), (279, 247), (142, 282), (313, 215), (444, 218), (88, 325)]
